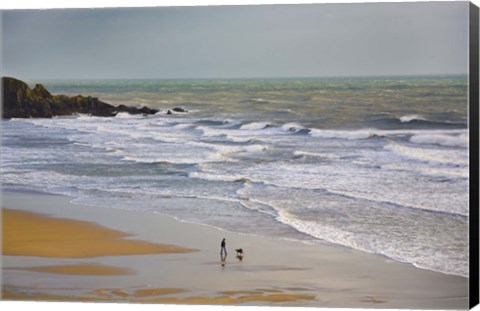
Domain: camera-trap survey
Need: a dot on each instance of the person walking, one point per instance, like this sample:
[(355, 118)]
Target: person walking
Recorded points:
[(223, 248)]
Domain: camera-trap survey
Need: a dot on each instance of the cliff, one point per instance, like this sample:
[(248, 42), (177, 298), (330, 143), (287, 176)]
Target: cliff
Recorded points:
[(20, 101)]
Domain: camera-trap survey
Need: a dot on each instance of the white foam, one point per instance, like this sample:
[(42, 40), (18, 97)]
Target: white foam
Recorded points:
[(211, 132), (255, 126), (254, 148), (258, 100), (231, 153), (237, 139), (47, 179), (433, 257), (349, 222), (171, 153), (430, 155), (351, 135), (451, 138), (459, 140), (214, 176), (86, 117), (183, 126), (292, 127), (126, 115), (439, 171), (411, 117), (316, 154)]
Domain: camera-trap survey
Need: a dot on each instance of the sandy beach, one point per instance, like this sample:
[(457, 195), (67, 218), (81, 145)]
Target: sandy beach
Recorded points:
[(54, 250)]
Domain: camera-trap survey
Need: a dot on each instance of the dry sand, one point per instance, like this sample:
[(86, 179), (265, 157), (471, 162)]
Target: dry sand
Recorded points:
[(58, 251)]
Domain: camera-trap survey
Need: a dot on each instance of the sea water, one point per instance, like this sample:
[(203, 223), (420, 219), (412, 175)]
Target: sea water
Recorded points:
[(375, 164)]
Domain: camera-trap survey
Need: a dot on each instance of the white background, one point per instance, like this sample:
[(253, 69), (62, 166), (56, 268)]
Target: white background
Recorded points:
[(45, 4)]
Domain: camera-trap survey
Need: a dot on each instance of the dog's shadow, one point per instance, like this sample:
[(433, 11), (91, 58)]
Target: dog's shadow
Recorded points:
[(240, 254), (223, 257)]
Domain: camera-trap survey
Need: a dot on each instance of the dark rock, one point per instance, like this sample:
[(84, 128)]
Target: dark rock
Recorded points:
[(41, 91), (178, 109), (132, 110), (20, 101)]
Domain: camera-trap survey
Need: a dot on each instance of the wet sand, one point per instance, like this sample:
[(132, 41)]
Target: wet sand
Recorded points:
[(31, 234), (54, 250)]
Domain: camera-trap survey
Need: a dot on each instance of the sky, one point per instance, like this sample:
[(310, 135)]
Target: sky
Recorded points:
[(260, 41)]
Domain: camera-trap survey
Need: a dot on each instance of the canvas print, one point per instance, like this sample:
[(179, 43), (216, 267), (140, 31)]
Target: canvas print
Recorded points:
[(312, 155)]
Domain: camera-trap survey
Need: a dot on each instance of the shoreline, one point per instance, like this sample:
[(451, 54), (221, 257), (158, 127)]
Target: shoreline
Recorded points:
[(306, 242), (273, 273)]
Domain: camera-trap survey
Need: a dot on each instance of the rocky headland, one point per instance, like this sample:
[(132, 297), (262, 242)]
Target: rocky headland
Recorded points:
[(20, 101)]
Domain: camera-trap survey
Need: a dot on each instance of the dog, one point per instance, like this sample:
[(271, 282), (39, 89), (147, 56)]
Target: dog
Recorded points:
[(240, 253)]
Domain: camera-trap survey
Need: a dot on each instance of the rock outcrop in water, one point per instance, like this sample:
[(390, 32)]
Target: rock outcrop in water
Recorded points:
[(20, 101), (177, 109)]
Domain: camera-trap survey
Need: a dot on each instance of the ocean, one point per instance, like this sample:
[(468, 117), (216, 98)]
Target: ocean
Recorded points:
[(379, 165)]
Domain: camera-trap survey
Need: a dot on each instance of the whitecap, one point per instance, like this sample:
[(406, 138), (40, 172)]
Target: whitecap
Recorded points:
[(211, 132), (126, 115), (429, 155), (293, 127), (350, 135), (411, 117), (255, 126), (460, 140), (330, 156)]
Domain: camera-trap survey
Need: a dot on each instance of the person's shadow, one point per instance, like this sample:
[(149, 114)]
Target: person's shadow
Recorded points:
[(223, 259)]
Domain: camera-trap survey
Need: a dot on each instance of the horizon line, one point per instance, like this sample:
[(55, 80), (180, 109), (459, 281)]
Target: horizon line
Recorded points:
[(251, 78)]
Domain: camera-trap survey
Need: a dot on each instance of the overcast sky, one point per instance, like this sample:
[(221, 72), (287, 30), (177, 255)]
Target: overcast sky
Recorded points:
[(237, 41)]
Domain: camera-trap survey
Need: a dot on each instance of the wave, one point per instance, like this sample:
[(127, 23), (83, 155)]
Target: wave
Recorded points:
[(459, 140), (445, 137), (295, 128), (208, 122), (350, 135), (429, 155), (307, 154), (411, 117), (183, 126), (417, 121), (126, 115), (248, 131), (167, 160), (219, 177), (440, 173), (298, 208), (255, 126), (399, 250), (229, 152), (240, 140), (171, 153), (455, 137), (245, 133), (211, 132), (254, 149), (255, 100)]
